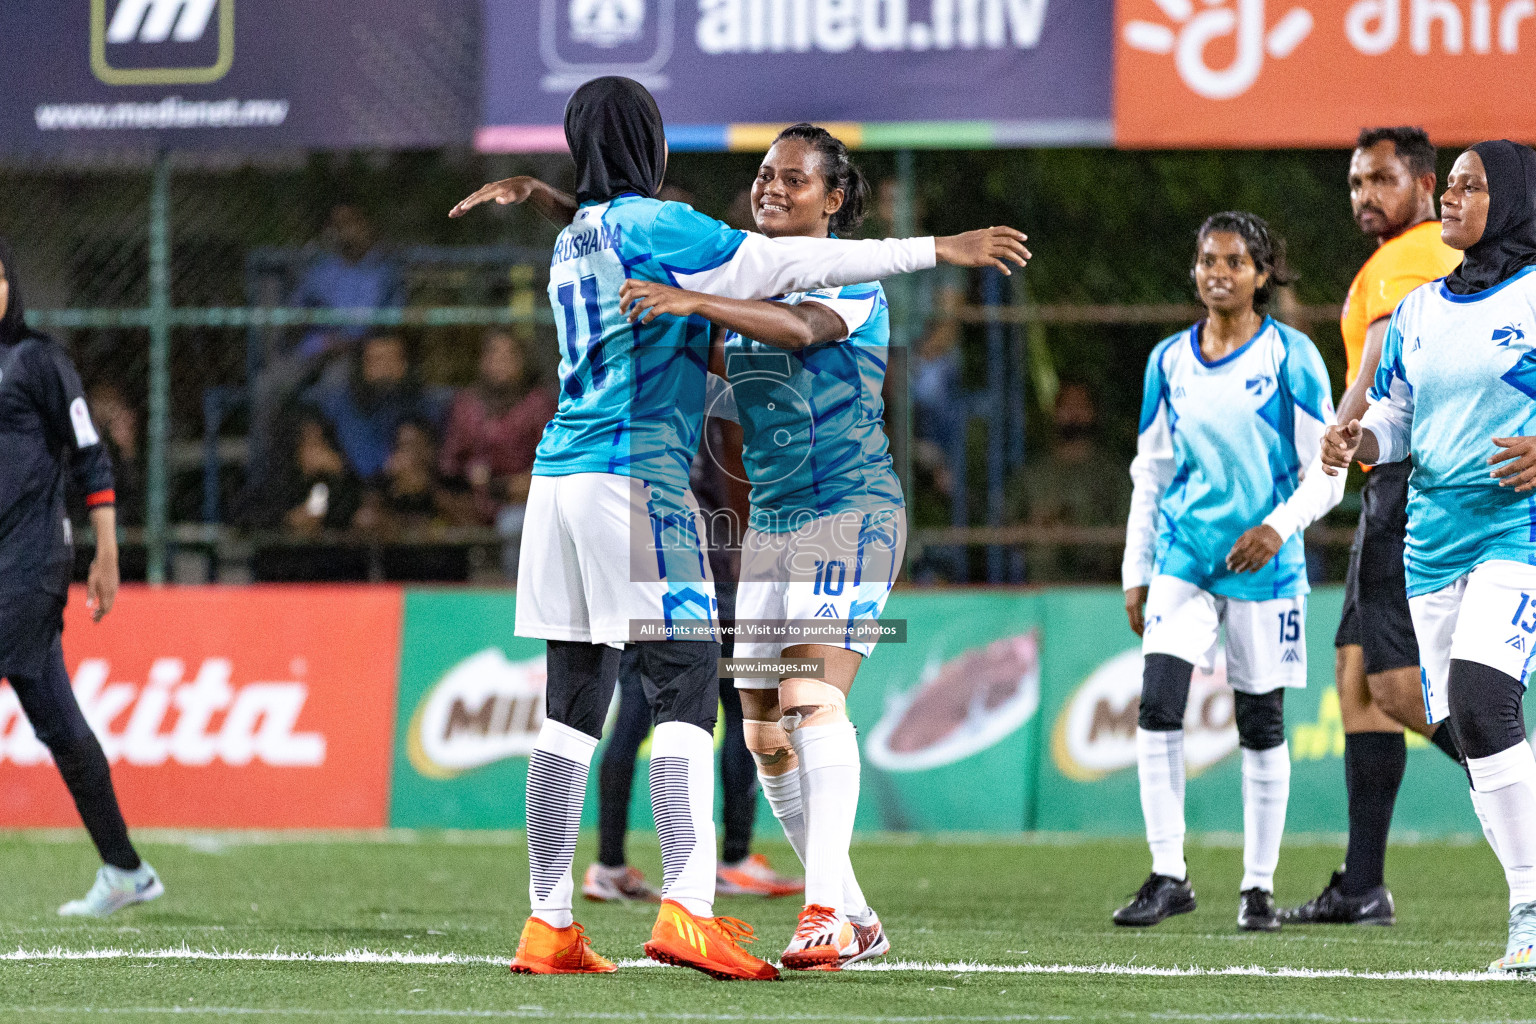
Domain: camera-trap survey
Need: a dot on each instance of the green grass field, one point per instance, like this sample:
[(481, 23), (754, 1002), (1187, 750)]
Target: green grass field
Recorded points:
[(982, 931)]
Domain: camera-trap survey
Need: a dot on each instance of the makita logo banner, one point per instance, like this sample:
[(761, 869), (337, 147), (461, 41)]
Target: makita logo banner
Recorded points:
[(179, 720), (228, 707)]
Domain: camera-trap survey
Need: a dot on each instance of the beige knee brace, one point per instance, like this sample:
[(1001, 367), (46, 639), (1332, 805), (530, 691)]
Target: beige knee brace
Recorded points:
[(810, 702), (770, 747)]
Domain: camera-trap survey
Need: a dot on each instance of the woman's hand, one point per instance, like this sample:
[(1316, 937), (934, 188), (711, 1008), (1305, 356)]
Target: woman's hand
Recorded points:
[(1135, 602), (988, 247), (503, 192), (1254, 549), (1519, 454), (643, 300), (102, 582), (1339, 446)]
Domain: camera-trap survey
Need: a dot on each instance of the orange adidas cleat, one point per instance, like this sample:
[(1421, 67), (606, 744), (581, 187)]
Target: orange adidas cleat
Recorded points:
[(753, 877), (545, 949), (707, 944), (820, 939)]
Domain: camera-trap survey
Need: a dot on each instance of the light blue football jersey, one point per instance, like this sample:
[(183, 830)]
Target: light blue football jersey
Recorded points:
[(812, 421), (631, 395), (1457, 371), (1226, 442)]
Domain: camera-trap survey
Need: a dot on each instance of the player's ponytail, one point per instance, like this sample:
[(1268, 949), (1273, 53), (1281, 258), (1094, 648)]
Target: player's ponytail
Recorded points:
[(1265, 248), (839, 172)]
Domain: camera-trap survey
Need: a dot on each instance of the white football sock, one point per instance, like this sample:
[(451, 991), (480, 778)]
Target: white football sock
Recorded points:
[(1482, 819), (783, 795), (829, 783), (1160, 766), (683, 802), (557, 786), (1506, 782), (1266, 789)]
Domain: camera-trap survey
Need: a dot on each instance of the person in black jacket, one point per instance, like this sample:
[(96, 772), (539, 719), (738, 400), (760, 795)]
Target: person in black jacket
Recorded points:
[(50, 442)]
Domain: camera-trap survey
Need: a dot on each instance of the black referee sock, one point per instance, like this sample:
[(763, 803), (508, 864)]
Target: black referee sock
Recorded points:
[(1373, 771)]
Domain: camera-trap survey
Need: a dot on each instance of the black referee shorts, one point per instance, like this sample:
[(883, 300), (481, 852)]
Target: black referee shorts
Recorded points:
[(1376, 614), (30, 624)]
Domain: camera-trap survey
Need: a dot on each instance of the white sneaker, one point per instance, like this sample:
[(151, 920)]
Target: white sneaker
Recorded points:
[(115, 889), (617, 885), (870, 937), (1520, 952)]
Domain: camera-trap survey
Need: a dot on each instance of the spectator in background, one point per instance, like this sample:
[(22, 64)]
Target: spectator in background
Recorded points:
[(366, 405), (316, 495), (1073, 484), (493, 430), (120, 430), (406, 505), (352, 274)]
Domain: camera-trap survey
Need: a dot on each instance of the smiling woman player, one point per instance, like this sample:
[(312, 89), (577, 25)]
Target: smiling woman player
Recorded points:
[(1454, 392), (1233, 410), (827, 524), (612, 546)]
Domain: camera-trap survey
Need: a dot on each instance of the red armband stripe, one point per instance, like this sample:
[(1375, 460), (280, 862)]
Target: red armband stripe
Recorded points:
[(106, 497)]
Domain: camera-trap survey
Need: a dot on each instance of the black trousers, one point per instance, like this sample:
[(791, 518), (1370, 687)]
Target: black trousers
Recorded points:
[(616, 774), (49, 703)]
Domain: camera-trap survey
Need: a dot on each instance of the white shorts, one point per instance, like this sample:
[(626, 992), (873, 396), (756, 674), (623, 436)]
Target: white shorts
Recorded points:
[(1266, 641), (610, 559), (1488, 616), (838, 568)]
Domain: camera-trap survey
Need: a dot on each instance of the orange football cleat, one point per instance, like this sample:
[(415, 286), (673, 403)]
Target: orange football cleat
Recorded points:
[(819, 940), (753, 877), (707, 944), (545, 949)]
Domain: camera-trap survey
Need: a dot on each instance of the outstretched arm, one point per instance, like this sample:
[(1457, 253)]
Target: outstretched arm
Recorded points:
[(555, 206), (779, 324)]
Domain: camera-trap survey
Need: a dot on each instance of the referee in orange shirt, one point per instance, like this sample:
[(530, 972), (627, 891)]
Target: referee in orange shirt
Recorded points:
[(1391, 190)]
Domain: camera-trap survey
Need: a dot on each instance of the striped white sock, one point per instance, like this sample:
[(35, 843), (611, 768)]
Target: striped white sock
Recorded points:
[(557, 786), (683, 803)]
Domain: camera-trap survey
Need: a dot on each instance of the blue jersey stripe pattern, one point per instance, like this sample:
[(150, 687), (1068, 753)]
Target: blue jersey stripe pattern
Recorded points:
[(1458, 371), (631, 395), (812, 421), (1231, 437)]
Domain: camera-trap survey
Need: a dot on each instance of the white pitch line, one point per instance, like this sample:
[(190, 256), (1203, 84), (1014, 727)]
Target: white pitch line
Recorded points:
[(364, 956)]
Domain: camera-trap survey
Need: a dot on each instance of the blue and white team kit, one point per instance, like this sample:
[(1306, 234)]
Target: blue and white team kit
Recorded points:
[(1457, 371), (1223, 447), (828, 527), (613, 538)]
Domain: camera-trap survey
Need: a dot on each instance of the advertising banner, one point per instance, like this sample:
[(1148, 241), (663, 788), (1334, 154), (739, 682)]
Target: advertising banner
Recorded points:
[(224, 707), (237, 74), (1271, 73), (1089, 702), (882, 73)]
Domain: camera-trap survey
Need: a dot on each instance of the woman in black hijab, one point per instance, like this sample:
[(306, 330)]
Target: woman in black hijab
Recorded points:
[(1495, 223), (1458, 371), (49, 440)]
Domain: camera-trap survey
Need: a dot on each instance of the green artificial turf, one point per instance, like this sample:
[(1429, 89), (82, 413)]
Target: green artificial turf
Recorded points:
[(991, 902)]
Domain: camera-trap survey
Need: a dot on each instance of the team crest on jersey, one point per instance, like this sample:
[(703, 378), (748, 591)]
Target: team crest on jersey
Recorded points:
[(1259, 384), (1508, 333)]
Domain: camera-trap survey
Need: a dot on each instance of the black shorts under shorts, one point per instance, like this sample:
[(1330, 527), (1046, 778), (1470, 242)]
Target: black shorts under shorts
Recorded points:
[(1376, 590)]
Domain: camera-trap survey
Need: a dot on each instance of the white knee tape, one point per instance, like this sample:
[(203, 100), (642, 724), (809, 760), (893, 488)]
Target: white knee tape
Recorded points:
[(808, 700)]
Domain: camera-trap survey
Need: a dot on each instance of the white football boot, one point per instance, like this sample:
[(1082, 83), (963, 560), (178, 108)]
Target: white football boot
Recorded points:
[(827, 940), (115, 889), (1520, 952)]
